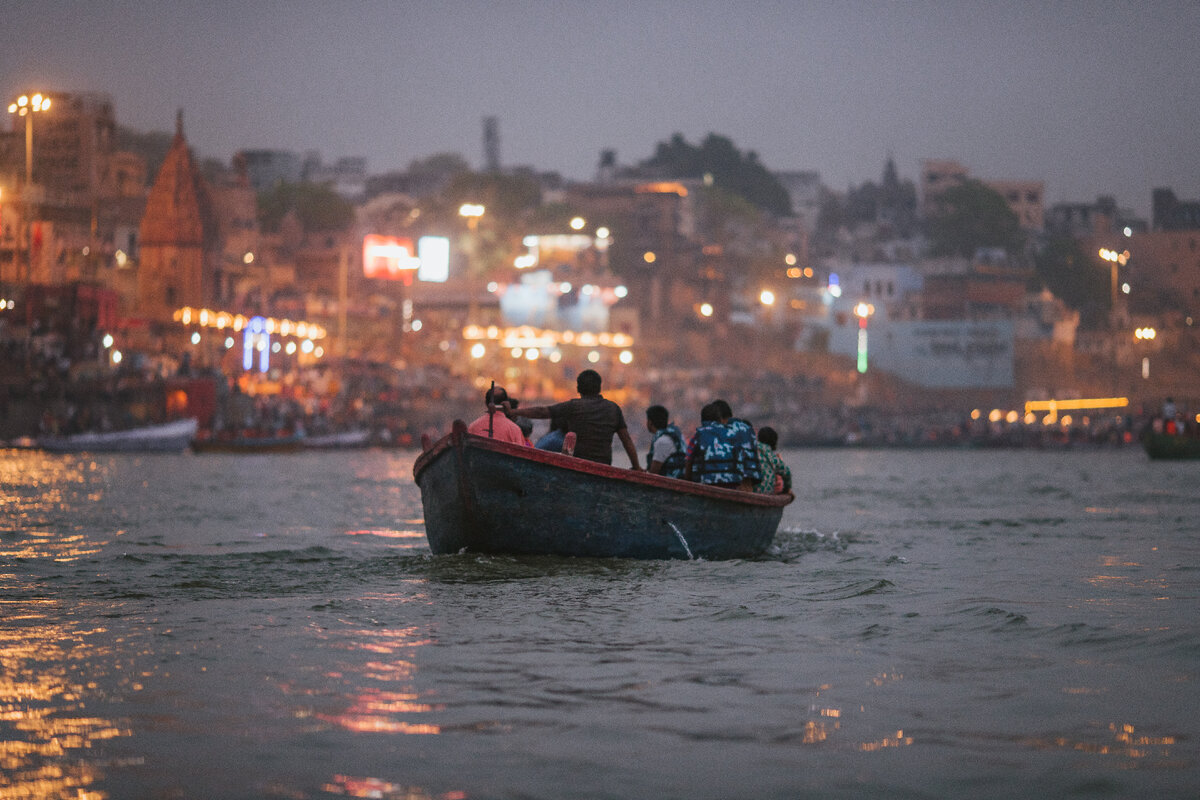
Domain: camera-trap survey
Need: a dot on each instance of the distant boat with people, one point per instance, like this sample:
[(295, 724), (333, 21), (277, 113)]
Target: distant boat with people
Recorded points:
[(1171, 446), (167, 437), (487, 496)]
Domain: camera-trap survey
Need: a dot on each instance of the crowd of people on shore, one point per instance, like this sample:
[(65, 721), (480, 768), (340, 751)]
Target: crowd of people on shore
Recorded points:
[(725, 451)]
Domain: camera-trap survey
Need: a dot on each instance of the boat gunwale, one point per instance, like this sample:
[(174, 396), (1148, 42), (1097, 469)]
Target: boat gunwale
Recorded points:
[(459, 438)]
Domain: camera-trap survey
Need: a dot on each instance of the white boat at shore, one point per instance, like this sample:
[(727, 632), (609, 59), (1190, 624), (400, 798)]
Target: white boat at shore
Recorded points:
[(168, 437), (359, 437)]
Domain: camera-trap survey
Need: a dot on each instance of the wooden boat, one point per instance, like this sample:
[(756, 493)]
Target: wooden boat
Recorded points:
[(486, 496), (249, 444), (1171, 445), (168, 437)]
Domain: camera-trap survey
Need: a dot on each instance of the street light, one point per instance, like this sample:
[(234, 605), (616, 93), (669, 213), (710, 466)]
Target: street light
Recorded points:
[(863, 311), (25, 106), (1115, 259)]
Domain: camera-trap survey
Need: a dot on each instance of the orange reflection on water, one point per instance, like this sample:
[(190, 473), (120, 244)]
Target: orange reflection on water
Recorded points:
[(386, 709), (42, 734), (41, 544), (1125, 743), (350, 786), (385, 534), (899, 740)]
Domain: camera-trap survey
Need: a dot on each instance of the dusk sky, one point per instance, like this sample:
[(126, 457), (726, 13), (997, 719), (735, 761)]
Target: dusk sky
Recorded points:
[(1091, 97)]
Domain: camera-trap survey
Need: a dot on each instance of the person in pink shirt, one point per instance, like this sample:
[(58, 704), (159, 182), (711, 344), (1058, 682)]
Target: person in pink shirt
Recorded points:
[(494, 423)]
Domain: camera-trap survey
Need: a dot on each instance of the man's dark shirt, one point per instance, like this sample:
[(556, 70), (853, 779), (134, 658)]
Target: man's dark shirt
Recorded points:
[(594, 420)]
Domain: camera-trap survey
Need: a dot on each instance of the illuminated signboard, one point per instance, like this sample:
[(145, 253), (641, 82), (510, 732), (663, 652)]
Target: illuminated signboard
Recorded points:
[(434, 254), (388, 258)]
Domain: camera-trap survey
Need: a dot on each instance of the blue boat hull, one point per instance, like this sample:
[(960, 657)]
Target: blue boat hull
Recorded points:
[(485, 496)]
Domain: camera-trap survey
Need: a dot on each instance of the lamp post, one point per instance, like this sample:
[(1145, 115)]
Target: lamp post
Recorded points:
[(471, 212), (26, 106), (863, 311)]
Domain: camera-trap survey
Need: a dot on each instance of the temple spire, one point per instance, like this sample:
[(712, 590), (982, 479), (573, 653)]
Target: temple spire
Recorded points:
[(179, 123)]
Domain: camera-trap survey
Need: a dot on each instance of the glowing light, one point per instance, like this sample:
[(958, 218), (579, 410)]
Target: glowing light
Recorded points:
[(116, 356), (766, 297), (516, 352), (602, 233), (706, 309), (621, 291), (593, 356), (276, 347), (565, 287), (229, 343), (248, 258), (649, 257), (975, 413), (121, 258), (577, 223), (477, 350), (290, 349), (996, 415), (1066, 420), (1125, 288), (794, 272), (306, 346), (196, 337), (626, 357), (1012, 417), (108, 341), (862, 350), (1076, 405), (790, 260), (1145, 333), (532, 354), (555, 357), (1128, 231), (417, 325), (319, 352), (864, 310), (471, 210)]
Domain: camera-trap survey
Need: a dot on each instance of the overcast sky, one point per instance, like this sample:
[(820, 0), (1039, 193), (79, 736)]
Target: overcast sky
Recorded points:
[(1093, 97)]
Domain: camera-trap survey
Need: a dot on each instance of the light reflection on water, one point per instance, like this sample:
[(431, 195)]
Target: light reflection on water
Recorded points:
[(46, 733), (283, 623)]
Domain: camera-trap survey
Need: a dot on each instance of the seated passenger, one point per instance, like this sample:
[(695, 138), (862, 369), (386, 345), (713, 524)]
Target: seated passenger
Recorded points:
[(712, 453), (776, 477), (668, 453), (553, 439), (494, 423), (743, 433)]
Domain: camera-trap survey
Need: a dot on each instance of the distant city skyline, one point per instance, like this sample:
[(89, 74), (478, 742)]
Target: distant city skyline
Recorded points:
[(1090, 97)]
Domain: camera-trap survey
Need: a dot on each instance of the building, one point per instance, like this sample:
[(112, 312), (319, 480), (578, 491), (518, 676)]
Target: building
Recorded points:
[(179, 238), (1172, 214), (805, 193), (1026, 199), (1164, 271), (266, 169)]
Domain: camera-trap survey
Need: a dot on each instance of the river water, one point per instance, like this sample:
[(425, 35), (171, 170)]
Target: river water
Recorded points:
[(929, 624)]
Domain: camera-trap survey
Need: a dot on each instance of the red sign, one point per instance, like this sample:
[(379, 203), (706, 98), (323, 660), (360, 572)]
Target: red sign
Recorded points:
[(389, 258)]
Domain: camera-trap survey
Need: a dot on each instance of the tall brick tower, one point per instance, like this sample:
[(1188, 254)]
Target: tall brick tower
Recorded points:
[(178, 237)]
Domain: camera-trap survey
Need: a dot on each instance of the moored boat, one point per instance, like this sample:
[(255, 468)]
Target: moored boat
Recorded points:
[(290, 443), (487, 496), (1171, 445), (358, 437), (167, 437)]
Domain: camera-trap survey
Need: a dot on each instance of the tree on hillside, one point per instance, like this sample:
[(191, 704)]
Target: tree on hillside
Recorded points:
[(1078, 279), (318, 207), (971, 216), (732, 171)]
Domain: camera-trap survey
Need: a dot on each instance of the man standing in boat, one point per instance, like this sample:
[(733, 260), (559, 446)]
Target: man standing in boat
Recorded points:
[(593, 419), (495, 423)]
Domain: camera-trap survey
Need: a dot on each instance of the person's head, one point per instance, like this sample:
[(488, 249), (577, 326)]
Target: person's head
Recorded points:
[(710, 413), (495, 395), (723, 409), (768, 436), (588, 383), (657, 418)]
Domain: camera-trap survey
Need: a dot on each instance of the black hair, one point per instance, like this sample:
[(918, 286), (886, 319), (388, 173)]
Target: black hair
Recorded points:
[(588, 382), (768, 436), (658, 416), (488, 395), (723, 409), (710, 413)]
